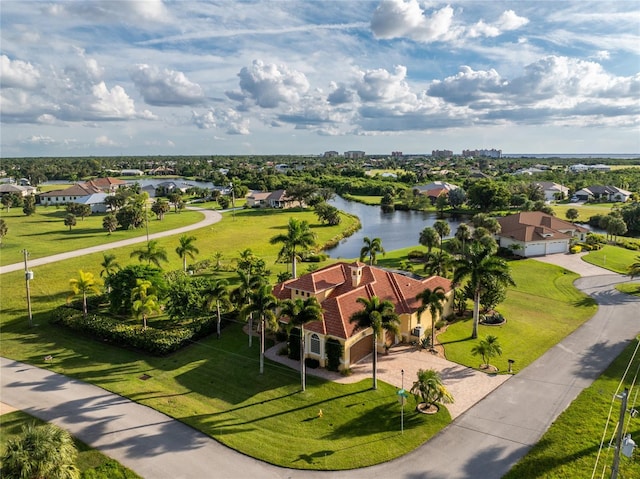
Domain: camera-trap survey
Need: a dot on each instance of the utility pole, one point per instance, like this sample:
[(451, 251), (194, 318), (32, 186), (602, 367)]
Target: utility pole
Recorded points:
[(616, 454), (28, 275)]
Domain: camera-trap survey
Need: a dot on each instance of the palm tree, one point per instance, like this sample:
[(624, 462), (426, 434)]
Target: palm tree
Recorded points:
[(263, 303), (433, 301), (429, 238), (144, 302), (430, 388), (3, 229), (241, 295), (443, 229), (300, 312), (371, 249), (39, 452), (109, 267), (475, 265), (438, 264), (298, 235), (110, 222), (463, 234), (84, 284), (634, 269), (153, 253), (488, 348), (217, 294), (186, 248), (377, 315)]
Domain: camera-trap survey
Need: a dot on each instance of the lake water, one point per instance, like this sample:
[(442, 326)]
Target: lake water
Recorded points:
[(399, 229)]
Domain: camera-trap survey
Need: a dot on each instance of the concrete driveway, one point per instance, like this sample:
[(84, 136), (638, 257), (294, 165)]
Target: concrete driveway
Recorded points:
[(575, 263)]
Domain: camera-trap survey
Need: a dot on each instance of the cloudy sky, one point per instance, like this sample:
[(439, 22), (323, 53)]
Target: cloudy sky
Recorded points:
[(154, 77)]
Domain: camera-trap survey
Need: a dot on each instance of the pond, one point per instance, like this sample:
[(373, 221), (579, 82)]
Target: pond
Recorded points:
[(399, 229)]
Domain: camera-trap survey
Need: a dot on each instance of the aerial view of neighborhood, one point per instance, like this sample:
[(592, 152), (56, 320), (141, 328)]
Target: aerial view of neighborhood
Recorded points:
[(330, 239)]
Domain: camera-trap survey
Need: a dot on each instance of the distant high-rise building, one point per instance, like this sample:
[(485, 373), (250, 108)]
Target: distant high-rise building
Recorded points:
[(354, 154), (492, 153), (396, 154), (442, 153), (331, 154)]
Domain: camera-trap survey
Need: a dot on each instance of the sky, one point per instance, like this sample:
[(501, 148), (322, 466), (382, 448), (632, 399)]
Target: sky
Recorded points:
[(154, 77)]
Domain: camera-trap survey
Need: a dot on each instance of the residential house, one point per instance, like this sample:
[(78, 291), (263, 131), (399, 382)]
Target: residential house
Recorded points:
[(337, 288), (552, 191), (273, 199), (10, 188), (602, 193), (91, 192), (435, 189), (534, 233)]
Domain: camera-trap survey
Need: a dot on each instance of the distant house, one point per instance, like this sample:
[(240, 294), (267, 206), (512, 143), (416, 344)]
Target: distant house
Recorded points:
[(552, 191), (435, 189), (9, 188), (603, 193), (167, 187), (132, 173), (337, 288), (534, 233), (83, 193), (274, 199)]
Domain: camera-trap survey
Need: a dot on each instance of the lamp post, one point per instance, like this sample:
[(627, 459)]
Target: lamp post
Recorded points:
[(28, 275), (233, 202), (402, 398)]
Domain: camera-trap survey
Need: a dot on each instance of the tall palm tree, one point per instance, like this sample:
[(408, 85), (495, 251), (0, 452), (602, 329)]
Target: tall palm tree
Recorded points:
[(263, 303), (432, 301), (84, 284), (443, 229), (300, 312), (153, 253), (430, 388), (186, 248), (145, 303), (109, 267), (476, 264), (39, 452), (379, 316), (634, 269), (217, 294), (439, 264), (463, 234), (371, 249), (299, 235), (240, 296), (429, 238)]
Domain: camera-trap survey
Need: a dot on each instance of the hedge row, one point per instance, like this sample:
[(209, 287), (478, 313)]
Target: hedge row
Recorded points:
[(151, 340)]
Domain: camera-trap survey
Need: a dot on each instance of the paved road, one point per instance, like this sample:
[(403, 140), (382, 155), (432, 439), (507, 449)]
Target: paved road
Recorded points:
[(210, 217), (486, 441)]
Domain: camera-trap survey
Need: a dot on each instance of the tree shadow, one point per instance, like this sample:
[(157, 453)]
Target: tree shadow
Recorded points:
[(597, 358)]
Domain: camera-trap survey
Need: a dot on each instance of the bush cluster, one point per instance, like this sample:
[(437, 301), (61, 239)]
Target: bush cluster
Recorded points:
[(334, 353), (152, 340)]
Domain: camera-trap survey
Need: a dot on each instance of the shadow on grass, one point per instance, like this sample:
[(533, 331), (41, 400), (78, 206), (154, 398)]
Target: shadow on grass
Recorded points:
[(597, 358)]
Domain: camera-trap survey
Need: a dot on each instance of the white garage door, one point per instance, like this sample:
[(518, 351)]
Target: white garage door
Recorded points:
[(557, 247), (534, 249)]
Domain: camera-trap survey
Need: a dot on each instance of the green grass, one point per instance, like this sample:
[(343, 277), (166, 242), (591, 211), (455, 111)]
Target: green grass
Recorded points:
[(613, 258), (629, 288), (44, 233), (365, 199), (585, 211), (542, 309), (570, 447), (91, 462)]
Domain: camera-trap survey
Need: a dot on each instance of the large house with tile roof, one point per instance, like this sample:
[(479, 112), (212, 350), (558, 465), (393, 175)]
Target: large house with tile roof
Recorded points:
[(92, 192), (603, 193), (337, 288), (533, 233)]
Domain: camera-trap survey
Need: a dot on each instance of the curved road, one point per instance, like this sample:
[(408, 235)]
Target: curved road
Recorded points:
[(486, 441), (210, 217)]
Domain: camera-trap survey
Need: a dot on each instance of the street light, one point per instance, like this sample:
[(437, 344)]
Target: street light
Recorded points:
[(402, 398)]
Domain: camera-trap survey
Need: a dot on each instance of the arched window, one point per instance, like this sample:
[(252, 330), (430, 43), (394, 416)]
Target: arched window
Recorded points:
[(315, 344)]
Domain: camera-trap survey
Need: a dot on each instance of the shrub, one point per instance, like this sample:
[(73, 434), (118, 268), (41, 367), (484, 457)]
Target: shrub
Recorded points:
[(294, 344), (311, 363), (346, 372), (415, 254), (575, 249), (334, 354), (440, 324)]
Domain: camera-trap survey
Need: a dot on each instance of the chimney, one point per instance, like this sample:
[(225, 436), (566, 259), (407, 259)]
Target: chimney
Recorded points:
[(356, 274)]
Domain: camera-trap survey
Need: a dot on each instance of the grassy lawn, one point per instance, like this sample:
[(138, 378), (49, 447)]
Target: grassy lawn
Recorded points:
[(91, 462), (613, 258), (530, 329), (585, 211), (629, 288), (44, 233), (570, 447), (367, 200)]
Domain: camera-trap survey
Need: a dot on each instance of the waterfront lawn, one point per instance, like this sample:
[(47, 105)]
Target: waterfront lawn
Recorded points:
[(44, 233), (542, 309), (365, 199), (91, 462), (570, 447), (585, 211)]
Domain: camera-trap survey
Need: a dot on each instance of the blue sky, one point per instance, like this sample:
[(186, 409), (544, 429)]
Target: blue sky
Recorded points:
[(153, 77)]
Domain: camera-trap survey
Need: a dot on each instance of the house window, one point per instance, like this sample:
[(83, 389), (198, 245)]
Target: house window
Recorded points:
[(315, 344)]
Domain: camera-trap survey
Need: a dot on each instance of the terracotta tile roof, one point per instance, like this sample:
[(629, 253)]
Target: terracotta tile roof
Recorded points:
[(341, 302), (536, 226), (79, 189)]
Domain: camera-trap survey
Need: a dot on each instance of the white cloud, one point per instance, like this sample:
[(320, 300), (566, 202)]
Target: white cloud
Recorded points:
[(509, 20), (112, 104), (381, 86), (269, 85), (39, 140), (223, 118), (16, 73), (104, 140), (400, 18), (163, 87)]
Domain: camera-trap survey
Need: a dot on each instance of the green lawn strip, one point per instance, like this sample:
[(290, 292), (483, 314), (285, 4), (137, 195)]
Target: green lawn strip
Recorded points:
[(629, 288), (365, 199), (542, 309), (91, 462), (585, 211), (45, 234), (570, 446), (613, 258)]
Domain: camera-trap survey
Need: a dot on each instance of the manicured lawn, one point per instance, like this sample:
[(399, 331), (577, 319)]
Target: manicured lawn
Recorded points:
[(542, 309), (44, 233), (91, 462), (367, 200), (613, 258), (585, 210), (570, 447), (629, 288)]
